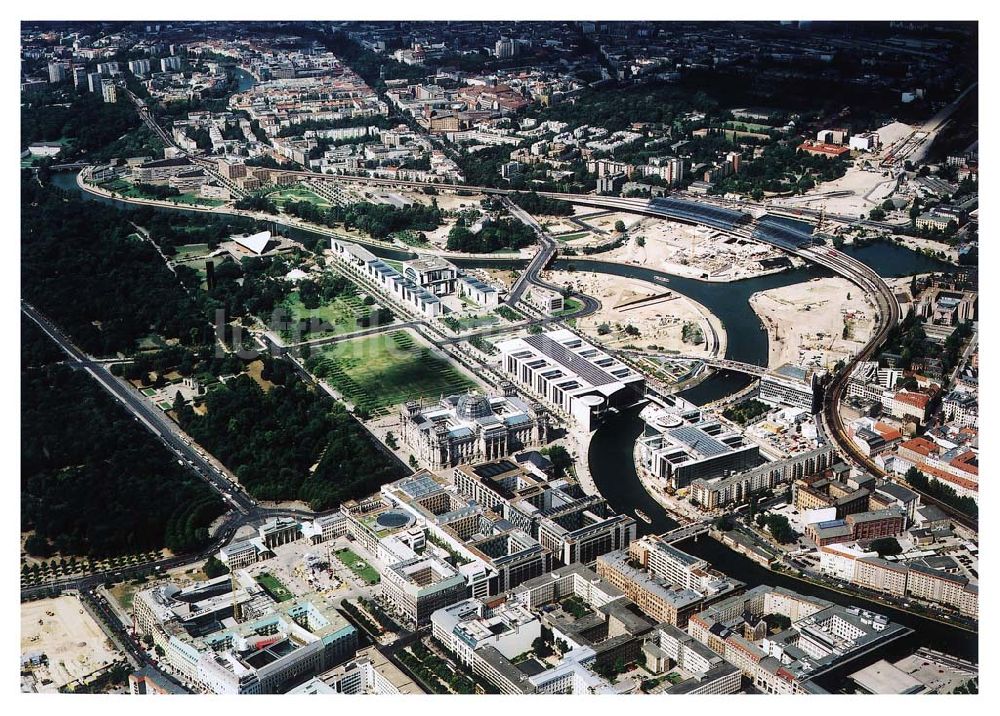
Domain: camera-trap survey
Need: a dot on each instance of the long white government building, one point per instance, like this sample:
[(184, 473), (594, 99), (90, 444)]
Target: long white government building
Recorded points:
[(571, 374)]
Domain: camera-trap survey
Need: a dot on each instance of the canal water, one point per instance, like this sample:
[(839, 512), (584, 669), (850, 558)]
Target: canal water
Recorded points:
[(244, 80), (610, 457)]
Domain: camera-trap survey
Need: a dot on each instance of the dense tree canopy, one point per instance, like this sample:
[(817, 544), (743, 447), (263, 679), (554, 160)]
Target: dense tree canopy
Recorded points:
[(376, 220), (290, 443), (81, 266), (535, 204), (62, 112), (494, 235), (94, 481)]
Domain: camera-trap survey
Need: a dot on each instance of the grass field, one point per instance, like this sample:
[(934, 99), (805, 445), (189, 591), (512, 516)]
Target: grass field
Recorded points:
[(748, 126), (297, 192), (341, 314), (569, 306), (190, 198), (191, 251), (129, 190), (198, 265), (573, 236), (366, 572), (273, 586), (379, 371)]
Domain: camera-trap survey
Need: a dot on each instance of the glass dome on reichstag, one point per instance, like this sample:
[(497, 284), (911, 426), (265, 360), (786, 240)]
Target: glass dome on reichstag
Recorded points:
[(472, 407)]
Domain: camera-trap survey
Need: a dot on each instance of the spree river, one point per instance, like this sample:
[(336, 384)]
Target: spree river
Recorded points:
[(611, 460)]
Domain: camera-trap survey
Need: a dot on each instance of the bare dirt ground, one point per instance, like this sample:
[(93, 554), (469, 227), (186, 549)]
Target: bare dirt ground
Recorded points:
[(660, 321), (69, 637), (806, 322), (860, 189), (691, 251)]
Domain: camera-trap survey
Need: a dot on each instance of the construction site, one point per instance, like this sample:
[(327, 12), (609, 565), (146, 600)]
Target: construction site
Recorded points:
[(61, 643), (646, 315), (814, 324), (698, 252)]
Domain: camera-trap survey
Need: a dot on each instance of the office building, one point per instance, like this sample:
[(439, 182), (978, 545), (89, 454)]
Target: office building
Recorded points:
[(656, 597), (491, 551), (681, 447), (369, 673), (571, 374), (160, 170), (147, 681), (873, 524), (822, 636), (572, 526), (360, 261), (506, 625), (478, 291), (435, 274), (788, 385), (418, 587), (707, 673), (227, 636), (736, 488)]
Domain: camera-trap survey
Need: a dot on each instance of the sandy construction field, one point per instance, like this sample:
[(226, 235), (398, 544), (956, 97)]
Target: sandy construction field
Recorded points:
[(857, 192), (606, 221), (806, 322), (660, 320), (72, 640), (860, 189), (692, 251)]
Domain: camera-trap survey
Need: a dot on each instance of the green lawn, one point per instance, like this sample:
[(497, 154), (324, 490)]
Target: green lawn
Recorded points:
[(190, 251), (131, 191), (297, 192), (191, 198), (379, 371), (366, 572), (573, 236), (342, 313), (273, 586), (569, 306), (748, 126)]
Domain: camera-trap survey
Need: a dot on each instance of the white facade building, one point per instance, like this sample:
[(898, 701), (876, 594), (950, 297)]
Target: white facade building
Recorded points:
[(571, 374)]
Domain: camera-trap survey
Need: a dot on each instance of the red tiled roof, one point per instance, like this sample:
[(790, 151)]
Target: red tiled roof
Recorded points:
[(822, 148), (922, 446), (917, 400), (948, 477), (887, 432), (963, 462)]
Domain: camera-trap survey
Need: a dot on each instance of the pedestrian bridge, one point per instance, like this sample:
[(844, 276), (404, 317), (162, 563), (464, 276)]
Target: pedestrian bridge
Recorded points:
[(679, 534)]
